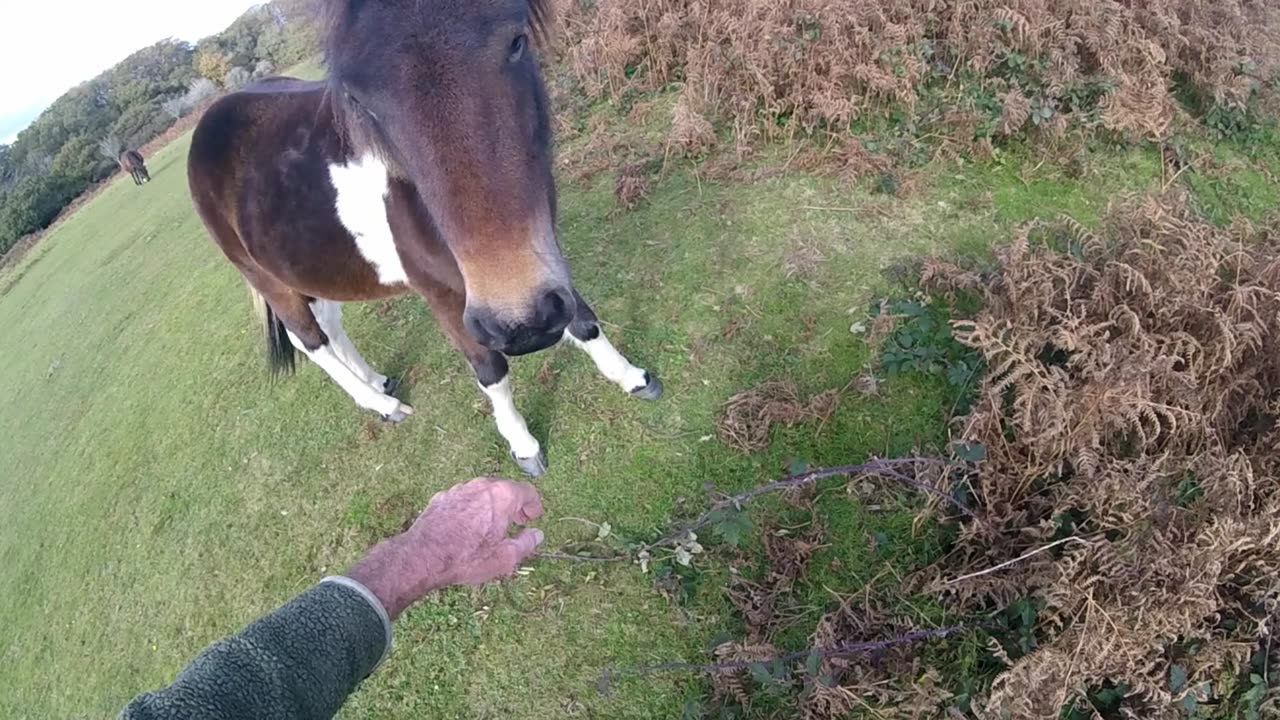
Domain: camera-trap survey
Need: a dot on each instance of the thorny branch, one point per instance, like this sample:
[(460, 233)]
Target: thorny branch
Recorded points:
[(882, 468), (581, 558), (885, 468), (860, 648)]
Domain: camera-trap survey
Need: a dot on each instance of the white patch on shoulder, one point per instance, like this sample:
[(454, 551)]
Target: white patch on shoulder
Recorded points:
[(362, 209)]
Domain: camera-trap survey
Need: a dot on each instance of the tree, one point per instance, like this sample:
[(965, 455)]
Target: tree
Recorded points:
[(237, 78), (31, 205), (58, 155), (140, 123), (199, 90), (8, 171), (79, 161), (211, 63), (110, 147)]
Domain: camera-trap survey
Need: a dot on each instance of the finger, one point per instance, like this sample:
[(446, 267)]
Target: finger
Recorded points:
[(517, 502), (526, 543), (508, 555)]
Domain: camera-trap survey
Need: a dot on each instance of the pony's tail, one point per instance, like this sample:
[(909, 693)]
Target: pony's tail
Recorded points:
[(280, 352)]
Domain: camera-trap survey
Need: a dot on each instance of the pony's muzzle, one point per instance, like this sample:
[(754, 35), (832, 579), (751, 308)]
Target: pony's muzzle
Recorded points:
[(542, 327)]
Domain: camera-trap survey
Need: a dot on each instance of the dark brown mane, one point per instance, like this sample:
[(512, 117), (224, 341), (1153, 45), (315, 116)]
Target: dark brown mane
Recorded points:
[(335, 20)]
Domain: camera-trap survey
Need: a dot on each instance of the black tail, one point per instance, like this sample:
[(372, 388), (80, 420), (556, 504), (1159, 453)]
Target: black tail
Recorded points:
[(280, 352)]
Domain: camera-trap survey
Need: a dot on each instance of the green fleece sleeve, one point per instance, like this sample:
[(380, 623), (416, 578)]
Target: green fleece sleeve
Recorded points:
[(299, 662)]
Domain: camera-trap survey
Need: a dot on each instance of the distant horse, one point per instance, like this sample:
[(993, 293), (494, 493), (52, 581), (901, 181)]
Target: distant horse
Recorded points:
[(131, 162), (422, 164)]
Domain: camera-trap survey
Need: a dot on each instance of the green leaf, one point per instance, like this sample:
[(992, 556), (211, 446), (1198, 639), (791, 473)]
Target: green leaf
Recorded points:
[(780, 671), (813, 664), (1028, 615), (760, 673), (908, 308), (1177, 678), (958, 375), (733, 528), (969, 452), (798, 467)]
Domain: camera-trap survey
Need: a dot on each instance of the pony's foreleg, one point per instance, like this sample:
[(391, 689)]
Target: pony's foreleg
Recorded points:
[(585, 332), (492, 374), (525, 449)]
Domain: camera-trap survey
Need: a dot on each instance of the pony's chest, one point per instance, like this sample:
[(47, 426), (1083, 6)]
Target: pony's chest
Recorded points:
[(361, 206)]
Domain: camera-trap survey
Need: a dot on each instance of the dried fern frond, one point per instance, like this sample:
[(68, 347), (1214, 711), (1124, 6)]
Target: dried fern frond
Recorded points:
[(1132, 387)]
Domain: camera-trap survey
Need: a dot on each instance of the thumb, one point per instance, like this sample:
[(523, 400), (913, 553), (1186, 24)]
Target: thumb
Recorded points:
[(509, 553), (526, 543)]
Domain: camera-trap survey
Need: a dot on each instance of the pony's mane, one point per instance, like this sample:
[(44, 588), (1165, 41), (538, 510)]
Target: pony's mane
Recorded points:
[(335, 18), (336, 15)]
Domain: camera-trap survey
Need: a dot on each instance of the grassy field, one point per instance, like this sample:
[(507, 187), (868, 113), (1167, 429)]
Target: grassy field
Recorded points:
[(158, 492)]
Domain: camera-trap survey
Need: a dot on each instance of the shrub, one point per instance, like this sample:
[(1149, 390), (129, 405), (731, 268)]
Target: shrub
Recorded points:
[(237, 78), (263, 68), (139, 123), (1131, 481), (110, 147), (31, 204), (198, 90), (81, 161), (1032, 63)]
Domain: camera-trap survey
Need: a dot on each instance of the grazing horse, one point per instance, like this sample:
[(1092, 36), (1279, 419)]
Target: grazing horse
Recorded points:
[(422, 164), (131, 162)]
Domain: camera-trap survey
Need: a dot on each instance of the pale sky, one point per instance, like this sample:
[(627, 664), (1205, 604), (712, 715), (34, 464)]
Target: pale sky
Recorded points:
[(50, 46)]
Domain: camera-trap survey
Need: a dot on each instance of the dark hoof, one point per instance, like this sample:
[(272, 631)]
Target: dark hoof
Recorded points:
[(391, 385), (533, 467), (399, 416), (652, 389)]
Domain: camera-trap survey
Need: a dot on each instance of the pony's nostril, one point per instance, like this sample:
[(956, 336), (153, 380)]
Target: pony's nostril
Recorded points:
[(555, 310), (481, 325), (542, 325)]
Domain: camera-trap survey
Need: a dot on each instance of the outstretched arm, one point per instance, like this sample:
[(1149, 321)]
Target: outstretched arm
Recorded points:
[(304, 659)]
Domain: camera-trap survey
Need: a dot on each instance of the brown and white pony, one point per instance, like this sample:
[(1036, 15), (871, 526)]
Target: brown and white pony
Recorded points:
[(131, 162), (422, 164)]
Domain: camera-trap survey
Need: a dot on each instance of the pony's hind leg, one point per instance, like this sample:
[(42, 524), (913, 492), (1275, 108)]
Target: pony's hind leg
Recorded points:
[(302, 320), (329, 315), (585, 332)]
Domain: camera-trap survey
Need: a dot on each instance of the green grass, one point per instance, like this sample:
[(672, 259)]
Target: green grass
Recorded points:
[(158, 492)]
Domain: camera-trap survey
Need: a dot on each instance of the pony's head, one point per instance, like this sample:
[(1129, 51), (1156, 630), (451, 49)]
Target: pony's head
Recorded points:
[(449, 95)]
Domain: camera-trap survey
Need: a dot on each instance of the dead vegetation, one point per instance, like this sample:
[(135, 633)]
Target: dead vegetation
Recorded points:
[(829, 685), (1132, 475), (748, 418), (631, 186), (1127, 503), (1003, 67)]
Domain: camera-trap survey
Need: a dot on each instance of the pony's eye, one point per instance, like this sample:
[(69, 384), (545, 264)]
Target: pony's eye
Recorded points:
[(518, 47)]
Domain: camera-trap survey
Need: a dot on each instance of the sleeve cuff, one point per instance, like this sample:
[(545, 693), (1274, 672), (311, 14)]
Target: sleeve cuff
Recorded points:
[(373, 602)]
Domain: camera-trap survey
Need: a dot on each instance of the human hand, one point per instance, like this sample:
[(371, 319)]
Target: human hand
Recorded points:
[(460, 539)]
